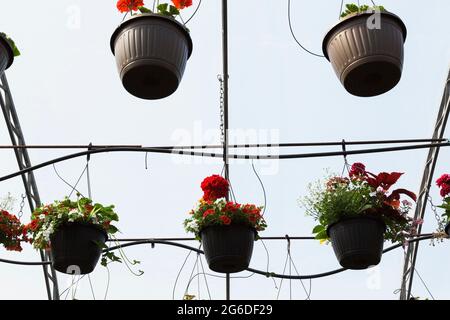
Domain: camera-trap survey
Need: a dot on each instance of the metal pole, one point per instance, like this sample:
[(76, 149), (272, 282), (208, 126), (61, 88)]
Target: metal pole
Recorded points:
[(439, 130), (225, 107), (29, 182)]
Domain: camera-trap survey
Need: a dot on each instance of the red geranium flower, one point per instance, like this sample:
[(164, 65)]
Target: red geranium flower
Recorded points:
[(444, 183), (226, 220), (208, 212), (358, 169), (181, 4), (129, 5), (214, 187)]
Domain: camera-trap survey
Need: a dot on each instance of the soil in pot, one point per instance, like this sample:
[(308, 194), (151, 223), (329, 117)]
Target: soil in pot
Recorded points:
[(367, 59), (358, 242), (151, 54), (228, 249), (75, 247)]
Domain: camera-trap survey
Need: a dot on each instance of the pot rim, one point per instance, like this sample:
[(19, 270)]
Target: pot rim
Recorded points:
[(231, 225), (150, 16), (83, 223), (355, 16), (355, 218), (9, 50)]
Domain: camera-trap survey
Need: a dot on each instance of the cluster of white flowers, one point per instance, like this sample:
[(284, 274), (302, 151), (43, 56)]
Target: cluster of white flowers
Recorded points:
[(74, 214), (44, 234), (221, 203), (193, 225)]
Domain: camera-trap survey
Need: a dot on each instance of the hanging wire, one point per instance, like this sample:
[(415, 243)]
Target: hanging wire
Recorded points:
[(418, 274), (295, 38), (191, 277), (195, 12), (179, 273), (107, 283), (342, 8), (88, 176), (262, 186), (22, 205), (92, 288), (440, 222), (204, 276), (268, 264), (73, 187)]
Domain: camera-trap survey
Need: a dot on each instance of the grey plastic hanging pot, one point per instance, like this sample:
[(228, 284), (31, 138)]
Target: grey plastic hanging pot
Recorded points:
[(366, 51), (151, 53), (6, 55)]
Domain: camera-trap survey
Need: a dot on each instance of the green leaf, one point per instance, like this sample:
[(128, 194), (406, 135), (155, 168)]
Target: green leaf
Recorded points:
[(322, 235), (318, 229), (145, 10), (174, 11), (162, 8)]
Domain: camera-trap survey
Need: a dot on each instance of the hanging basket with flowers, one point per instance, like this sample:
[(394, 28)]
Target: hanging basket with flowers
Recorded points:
[(357, 213), (366, 49), (226, 229), (74, 231), (151, 48), (444, 184), (8, 50), (11, 231)]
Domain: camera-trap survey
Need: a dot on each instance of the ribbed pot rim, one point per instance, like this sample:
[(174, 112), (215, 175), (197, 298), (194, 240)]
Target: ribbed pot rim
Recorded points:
[(9, 50), (150, 16), (356, 218), (357, 16), (87, 224), (231, 225)]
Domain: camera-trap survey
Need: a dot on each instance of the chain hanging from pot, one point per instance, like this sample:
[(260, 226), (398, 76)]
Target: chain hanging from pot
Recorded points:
[(222, 112), (439, 221), (22, 205)]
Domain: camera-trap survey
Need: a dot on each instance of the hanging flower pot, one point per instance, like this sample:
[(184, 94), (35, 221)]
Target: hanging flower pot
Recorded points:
[(228, 249), (447, 229), (8, 51), (226, 229), (151, 51), (11, 231), (357, 213), (77, 247), (75, 232), (358, 242), (366, 50)]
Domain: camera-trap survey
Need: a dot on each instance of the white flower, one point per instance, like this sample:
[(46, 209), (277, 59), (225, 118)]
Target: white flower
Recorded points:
[(381, 190), (73, 212), (373, 194), (42, 216), (192, 225)]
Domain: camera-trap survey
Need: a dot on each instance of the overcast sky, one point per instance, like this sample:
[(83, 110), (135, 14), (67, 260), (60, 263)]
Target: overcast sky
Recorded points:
[(67, 91)]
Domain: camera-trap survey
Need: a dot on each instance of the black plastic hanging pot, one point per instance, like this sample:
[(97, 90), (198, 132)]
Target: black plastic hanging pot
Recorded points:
[(358, 242), (368, 59), (151, 53), (447, 229), (6, 55), (228, 249), (77, 247)]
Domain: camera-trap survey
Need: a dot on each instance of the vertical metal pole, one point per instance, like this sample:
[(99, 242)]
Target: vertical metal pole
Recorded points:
[(225, 106), (29, 182), (413, 248)]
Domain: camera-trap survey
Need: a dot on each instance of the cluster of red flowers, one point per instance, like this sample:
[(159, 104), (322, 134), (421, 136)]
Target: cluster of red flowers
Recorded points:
[(214, 187), (181, 4), (129, 5), (134, 5), (383, 181), (444, 183), (11, 231)]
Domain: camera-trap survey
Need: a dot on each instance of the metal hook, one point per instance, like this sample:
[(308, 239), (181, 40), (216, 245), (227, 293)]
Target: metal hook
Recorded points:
[(344, 151), (89, 149), (288, 239)]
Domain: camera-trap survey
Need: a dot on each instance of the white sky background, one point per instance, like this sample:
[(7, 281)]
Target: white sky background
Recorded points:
[(67, 91)]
